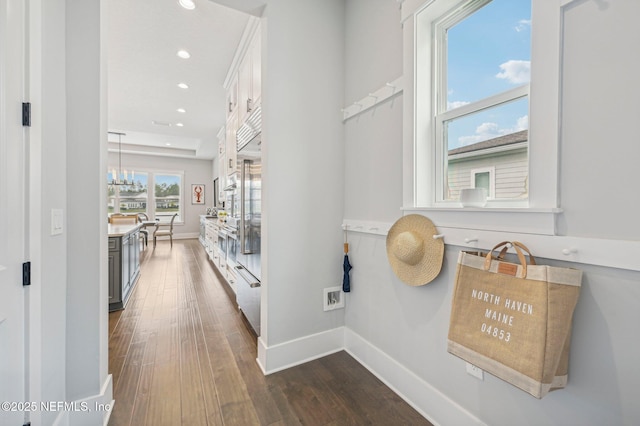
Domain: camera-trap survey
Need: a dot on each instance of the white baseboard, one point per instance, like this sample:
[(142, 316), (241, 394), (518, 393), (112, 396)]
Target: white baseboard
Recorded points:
[(438, 408), (93, 410), (298, 351), (427, 400)]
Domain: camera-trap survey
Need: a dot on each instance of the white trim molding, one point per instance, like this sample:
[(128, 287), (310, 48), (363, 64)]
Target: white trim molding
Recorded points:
[(621, 254), (93, 410), (411, 388), (281, 356)]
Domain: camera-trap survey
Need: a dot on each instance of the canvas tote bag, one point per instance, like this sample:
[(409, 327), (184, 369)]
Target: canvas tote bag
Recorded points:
[(513, 320)]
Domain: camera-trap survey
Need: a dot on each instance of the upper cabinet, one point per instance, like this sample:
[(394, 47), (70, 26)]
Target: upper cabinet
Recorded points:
[(249, 79), (232, 96), (243, 85), (222, 163), (230, 137)]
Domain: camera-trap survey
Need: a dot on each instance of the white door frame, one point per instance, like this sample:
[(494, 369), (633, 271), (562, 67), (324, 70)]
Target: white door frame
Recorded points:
[(13, 213)]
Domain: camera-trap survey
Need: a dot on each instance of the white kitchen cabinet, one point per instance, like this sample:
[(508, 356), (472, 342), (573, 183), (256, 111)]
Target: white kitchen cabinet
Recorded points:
[(249, 79), (222, 164), (256, 68), (232, 97), (230, 138)]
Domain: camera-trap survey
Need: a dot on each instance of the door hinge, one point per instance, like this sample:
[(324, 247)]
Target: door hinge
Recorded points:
[(26, 273), (26, 114)]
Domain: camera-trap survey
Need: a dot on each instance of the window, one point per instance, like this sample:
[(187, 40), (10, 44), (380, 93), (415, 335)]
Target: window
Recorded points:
[(484, 178), (127, 198), (482, 61), (161, 204), (168, 196), (469, 106)]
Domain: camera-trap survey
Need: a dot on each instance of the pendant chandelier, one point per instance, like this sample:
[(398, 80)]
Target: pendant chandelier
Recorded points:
[(116, 180)]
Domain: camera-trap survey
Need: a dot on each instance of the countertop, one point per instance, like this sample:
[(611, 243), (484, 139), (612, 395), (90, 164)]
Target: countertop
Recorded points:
[(122, 229)]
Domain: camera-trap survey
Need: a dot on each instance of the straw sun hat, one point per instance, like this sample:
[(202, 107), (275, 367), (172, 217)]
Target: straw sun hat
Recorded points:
[(415, 256)]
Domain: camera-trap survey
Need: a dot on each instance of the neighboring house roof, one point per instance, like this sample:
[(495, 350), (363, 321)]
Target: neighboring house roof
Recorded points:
[(521, 136)]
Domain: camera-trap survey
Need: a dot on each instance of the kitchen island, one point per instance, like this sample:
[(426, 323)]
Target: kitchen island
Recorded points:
[(124, 262)]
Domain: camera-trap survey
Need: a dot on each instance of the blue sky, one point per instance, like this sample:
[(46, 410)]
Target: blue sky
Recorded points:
[(489, 52)]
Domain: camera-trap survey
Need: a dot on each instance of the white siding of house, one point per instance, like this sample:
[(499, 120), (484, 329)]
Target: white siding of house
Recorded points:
[(511, 170)]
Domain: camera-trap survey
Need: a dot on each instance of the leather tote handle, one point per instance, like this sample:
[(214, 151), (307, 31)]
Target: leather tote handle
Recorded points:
[(532, 260), (518, 248)]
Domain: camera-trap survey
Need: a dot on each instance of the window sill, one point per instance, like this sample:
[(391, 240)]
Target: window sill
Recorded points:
[(500, 219)]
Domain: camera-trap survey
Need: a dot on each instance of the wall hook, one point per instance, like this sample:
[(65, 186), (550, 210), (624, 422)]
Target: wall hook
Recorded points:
[(471, 240), (438, 236), (357, 104), (375, 97), (569, 251)]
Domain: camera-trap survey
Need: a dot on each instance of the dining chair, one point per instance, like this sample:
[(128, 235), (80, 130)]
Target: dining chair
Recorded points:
[(161, 230), (144, 232)]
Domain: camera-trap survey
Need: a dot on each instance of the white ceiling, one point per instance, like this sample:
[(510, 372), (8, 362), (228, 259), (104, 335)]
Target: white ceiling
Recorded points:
[(144, 71)]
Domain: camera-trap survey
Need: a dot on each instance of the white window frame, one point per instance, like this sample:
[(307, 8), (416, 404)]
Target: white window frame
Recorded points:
[(152, 183), (492, 179), (420, 165), (151, 195)]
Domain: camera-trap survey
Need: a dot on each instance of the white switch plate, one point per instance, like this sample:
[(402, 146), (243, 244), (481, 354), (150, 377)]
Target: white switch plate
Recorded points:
[(475, 371), (57, 219)]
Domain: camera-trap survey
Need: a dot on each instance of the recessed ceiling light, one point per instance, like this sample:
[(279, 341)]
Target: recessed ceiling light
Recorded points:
[(179, 124), (183, 54), (183, 85), (167, 144), (182, 110), (187, 4)]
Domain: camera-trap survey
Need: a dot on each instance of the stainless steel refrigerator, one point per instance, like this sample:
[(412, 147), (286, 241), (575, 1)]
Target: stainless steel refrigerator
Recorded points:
[(248, 258)]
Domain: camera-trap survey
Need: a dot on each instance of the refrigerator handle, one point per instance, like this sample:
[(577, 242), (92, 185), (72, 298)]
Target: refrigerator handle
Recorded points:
[(244, 193)]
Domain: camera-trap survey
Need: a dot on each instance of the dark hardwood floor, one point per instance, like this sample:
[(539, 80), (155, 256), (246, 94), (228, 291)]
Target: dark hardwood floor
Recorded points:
[(180, 354)]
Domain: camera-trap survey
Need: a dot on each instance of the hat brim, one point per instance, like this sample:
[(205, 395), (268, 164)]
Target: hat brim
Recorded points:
[(428, 267)]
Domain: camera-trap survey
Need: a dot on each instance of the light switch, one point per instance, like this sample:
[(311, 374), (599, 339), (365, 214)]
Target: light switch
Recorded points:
[(56, 221)]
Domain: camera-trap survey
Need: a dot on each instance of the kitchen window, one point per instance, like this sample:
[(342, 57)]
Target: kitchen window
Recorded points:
[(477, 99), (128, 199), (162, 203), (168, 196)]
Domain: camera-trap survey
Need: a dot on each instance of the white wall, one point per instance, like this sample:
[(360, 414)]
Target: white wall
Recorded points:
[(47, 187), (303, 166), (86, 317), (401, 331), (195, 172), (67, 301), (599, 157)]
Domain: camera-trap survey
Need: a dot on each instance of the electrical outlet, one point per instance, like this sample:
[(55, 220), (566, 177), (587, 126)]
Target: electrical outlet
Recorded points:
[(475, 371), (333, 298)]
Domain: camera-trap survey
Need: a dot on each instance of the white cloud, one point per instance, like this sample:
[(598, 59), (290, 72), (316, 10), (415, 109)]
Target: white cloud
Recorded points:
[(456, 104), (490, 130), (522, 123), (523, 24), (515, 71)]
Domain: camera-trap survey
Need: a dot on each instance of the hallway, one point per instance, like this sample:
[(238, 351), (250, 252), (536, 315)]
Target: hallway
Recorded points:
[(180, 354)]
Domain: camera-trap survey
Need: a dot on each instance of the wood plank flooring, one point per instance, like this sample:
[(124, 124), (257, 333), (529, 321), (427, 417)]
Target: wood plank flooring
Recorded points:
[(181, 354)]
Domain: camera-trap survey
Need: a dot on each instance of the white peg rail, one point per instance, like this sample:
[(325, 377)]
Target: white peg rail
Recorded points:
[(372, 99), (620, 254)]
